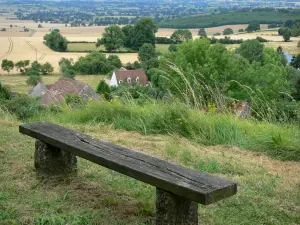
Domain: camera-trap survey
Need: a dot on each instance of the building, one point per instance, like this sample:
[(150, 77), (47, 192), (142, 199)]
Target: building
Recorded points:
[(56, 92), (128, 77)]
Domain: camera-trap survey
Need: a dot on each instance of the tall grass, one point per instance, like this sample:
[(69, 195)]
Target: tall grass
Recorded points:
[(280, 141)]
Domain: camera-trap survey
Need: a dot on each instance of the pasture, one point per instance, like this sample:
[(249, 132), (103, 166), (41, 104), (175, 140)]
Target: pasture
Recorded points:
[(17, 83)]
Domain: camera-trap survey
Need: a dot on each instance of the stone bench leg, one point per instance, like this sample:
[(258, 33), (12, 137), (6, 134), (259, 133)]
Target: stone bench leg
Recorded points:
[(175, 210), (49, 160)]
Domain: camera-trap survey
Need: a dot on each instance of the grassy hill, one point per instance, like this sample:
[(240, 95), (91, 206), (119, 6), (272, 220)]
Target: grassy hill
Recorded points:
[(268, 191), (230, 18)]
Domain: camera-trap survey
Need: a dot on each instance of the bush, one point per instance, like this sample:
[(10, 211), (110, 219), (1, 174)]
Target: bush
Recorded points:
[(23, 107), (104, 89), (75, 101), (298, 45), (4, 92), (260, 39), (173, 48), (227, 31), (33, 80)]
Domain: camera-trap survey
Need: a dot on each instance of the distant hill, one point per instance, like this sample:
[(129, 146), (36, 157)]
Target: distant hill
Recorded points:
[(266, 16)]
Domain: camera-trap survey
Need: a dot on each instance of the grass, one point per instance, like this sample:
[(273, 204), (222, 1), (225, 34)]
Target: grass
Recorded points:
[(17, 83), (81, 47), (268, 191), (289, 47), (279, 141)]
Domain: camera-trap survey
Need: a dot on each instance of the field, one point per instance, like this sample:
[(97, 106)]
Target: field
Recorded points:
[(17, 83), (17, 45), (91, 47)]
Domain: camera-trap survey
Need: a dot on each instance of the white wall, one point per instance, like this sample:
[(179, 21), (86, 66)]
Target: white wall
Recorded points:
[(113, 80)]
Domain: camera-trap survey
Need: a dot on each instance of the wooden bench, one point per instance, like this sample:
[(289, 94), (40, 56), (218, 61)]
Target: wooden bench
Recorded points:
[(178, 189)]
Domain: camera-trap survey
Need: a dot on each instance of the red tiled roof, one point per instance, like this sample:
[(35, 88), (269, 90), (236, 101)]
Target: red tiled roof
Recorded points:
[(133, 74)]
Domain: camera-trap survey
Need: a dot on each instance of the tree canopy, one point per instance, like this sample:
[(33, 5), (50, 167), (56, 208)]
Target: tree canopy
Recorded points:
[(56, 41), (227, 31), (181, 35), (113, 38)]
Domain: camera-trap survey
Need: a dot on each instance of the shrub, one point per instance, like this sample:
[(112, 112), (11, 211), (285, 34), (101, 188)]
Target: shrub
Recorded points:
[(47, 68), (23, 107), (227, 31), (33, 80), (298, 45), (75, 101), (4, 93), (104, 89)]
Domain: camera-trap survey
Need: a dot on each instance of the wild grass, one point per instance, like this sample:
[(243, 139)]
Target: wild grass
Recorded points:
[(280, 141), (268, 191)]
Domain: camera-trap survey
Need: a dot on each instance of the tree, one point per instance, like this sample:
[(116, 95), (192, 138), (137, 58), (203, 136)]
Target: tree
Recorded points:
[(298, 45), (202, 32), (252, 50), (286, 37), (47, 68), (56, 41), (112, 38), (144, 32), (227, 31), (252, 27), (296, 61), (7, 65), (147, 56), (181, 35), (241, 30), (128, 33), (104, 89), (114, 60)]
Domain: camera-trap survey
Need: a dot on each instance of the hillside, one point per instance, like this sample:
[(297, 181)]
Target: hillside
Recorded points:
[(230, 18), (267, 189)]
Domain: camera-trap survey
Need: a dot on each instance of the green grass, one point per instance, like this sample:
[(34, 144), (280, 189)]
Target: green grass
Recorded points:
[(162, 48), (17, 83), (280, 141), (81, 47), (268, 191)]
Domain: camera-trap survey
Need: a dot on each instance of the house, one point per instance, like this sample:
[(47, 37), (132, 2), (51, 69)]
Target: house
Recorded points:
[(56, 92), (128, 77)]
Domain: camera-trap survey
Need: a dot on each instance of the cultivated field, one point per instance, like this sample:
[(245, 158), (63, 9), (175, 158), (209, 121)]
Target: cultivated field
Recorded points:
[(15, 44), (17, 83)]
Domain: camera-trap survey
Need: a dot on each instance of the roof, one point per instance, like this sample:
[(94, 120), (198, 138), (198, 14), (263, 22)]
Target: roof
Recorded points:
[(133, 74), (39, 90), (65, 86), (288, 57)]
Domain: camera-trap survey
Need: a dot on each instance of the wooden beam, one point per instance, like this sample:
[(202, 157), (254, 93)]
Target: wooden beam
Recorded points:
[(194, 185)]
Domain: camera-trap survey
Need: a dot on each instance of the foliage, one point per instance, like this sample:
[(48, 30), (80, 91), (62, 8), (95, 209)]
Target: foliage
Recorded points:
[(4, 92), (173, 48), (93, 63), (66, 68), (262, 16), (286, 36), (22, 65), (252, 27), (23, 107), (252, 50), (147, 56), (298, 45), (181, 35), (104, 89), (225, 40), (260, 39), (202, 32), (113, 38), (227, 31), (200, 73), (7, 65), (163, 40), (128, 35), (46, 68), (33, 80), (56, 41), (143, 32), (75, 101), (296, 61), (114, 60), (133, 66), (241, 30)]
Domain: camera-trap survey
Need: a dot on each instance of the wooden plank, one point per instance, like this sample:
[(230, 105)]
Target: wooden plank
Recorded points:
[(194, 185)]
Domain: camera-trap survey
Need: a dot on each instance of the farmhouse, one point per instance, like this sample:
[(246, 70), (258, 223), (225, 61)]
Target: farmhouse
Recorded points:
[(63, 86), (128, 77)]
